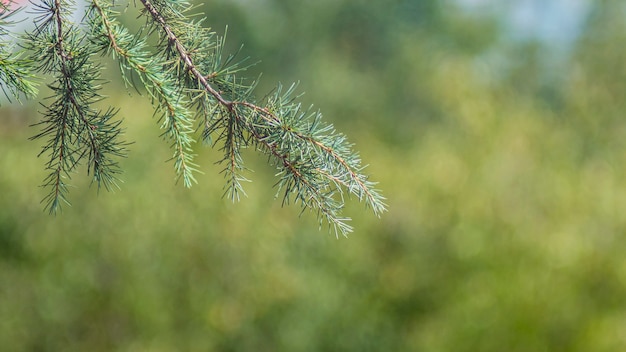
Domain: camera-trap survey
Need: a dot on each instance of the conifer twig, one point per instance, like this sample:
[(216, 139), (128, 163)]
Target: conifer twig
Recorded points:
[(301, 174), (133, 55), (74, 129), (191, 83)]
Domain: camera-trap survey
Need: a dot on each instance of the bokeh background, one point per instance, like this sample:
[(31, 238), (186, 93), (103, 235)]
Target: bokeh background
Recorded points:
[(495, 128)]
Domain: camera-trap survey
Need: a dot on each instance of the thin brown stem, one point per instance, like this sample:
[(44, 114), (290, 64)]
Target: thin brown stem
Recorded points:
[(183, 53)]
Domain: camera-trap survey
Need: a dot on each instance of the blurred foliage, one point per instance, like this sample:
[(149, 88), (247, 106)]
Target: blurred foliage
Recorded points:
[(506, 185)]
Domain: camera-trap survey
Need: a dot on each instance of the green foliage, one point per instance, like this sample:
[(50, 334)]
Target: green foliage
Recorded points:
[(194, 86)]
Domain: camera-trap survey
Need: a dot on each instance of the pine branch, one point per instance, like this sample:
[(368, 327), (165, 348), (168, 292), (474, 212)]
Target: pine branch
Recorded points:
[(74, 129), (193, 86), (133, 55), (313, 166)]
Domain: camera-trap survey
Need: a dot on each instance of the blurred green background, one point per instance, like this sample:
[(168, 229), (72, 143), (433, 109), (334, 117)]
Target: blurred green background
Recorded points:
[(499, 142)]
